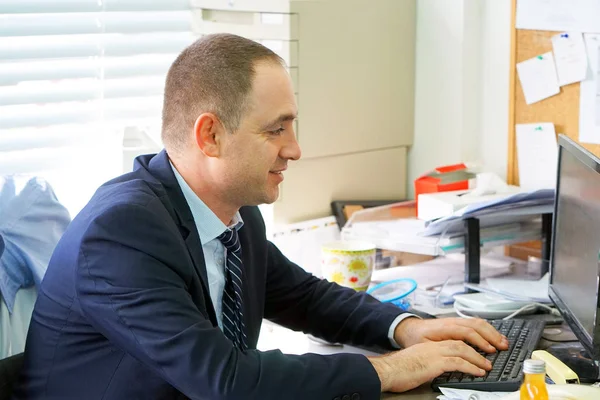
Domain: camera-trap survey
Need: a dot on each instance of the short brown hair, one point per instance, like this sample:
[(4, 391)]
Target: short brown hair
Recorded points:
[(214, 74)]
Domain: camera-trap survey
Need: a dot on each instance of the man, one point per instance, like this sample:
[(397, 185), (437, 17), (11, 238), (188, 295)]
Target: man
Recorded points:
[(158, 287)]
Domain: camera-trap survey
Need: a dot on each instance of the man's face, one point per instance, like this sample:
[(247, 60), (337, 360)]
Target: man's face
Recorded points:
[(255, 156)]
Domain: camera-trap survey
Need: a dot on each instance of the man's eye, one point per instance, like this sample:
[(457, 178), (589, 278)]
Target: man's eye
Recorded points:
[(277, 131)]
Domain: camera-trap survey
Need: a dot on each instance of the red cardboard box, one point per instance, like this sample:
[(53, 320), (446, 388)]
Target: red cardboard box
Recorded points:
[(444, 179)]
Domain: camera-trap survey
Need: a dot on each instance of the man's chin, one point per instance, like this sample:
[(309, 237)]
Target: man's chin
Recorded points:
[(266, 198), (272, 196)]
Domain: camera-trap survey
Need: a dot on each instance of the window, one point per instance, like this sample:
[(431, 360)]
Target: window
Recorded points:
[(74, 76)]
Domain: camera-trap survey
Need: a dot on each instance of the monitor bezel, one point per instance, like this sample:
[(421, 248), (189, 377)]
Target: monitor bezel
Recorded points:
[(590, 343)]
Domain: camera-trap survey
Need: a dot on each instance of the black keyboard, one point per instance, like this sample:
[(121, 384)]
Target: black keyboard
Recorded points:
[(506, 374)]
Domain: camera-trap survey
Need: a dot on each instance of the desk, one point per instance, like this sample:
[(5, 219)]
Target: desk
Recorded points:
[(277, 337), (422, 393)]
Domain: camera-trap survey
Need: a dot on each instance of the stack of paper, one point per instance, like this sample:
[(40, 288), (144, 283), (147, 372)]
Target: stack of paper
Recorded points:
[(407, 235), (503, 221), (516, 289), (495, 212), (465, 394)]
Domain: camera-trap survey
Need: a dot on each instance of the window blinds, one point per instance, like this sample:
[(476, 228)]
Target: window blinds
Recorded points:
[(74, 75)]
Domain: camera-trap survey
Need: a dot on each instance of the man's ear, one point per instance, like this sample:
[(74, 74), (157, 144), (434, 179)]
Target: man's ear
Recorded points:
[(207, 134)]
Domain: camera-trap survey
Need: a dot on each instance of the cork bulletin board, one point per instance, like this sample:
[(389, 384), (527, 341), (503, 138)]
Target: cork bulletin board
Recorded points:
[(562, 109)]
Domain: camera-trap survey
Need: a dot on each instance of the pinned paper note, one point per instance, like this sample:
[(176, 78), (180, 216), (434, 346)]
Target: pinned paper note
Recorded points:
[(558, 15), (589, 93), (538, 78), (570, 57), (537, 155)]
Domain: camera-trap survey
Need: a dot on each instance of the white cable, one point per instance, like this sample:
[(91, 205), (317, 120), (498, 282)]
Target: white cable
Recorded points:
[(460, 314), (528, 307)]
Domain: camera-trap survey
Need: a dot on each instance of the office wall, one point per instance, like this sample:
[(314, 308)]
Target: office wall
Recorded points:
[(496, 16), (461, 92)]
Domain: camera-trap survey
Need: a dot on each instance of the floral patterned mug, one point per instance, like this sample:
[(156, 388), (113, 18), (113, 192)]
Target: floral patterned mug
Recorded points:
[(348, 263)]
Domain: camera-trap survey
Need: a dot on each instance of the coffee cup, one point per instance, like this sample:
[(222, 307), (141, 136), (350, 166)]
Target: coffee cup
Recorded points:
[(348, 263)]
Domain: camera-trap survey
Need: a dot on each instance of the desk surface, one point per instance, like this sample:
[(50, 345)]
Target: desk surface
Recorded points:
[(421, 393)]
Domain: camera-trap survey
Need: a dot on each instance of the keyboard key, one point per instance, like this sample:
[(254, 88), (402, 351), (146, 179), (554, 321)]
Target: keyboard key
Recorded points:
[(455, 377), (525, 355), (492, 377), (491, 357), (516, 371)]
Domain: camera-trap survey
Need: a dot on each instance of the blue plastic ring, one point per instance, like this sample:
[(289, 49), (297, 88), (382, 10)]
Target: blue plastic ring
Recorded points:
[(409, 291)]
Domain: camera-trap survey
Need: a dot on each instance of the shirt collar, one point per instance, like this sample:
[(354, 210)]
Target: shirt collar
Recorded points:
[(209, 226)]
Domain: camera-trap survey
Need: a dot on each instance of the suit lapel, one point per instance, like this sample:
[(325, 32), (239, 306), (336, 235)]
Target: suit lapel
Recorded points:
[(160, 168)]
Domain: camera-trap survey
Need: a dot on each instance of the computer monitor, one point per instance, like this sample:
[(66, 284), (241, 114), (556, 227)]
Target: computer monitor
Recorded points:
[(574, 261)]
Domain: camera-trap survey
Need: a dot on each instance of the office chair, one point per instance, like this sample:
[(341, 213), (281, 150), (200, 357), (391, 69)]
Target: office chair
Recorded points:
[(10, 368)]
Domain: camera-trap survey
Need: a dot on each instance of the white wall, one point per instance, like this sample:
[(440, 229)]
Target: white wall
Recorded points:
[(495, 33), (461, 100)]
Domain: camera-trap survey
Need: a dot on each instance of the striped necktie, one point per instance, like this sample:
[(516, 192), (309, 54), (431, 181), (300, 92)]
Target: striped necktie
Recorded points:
[(233, 316)]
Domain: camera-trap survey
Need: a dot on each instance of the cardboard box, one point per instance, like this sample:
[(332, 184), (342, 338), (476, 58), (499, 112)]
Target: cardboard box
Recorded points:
[(444, 179)]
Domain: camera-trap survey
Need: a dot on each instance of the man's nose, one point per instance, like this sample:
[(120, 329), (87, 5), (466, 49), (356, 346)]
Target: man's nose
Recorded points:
[(291, 149)]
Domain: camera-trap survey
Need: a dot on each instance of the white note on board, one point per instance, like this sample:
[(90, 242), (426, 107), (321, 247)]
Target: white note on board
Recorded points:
[(537, 155), (570, 57), (538, 78), (558, 15), (589, 93)]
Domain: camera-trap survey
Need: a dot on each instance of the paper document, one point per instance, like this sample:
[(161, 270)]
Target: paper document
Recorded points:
[(589, 93), (538, 78), (520, 289), (466, 394), (537, 155), (559, 15), (570, 57)]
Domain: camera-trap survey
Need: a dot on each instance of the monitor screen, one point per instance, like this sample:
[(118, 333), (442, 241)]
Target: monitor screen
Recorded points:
[(576, 241)]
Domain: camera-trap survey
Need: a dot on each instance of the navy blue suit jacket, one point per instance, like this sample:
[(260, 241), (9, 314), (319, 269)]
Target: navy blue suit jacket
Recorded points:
[(124, 311)]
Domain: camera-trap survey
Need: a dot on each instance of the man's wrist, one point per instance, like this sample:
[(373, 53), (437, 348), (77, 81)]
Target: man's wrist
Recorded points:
[(402, 331), (382, 369), (395, 338)]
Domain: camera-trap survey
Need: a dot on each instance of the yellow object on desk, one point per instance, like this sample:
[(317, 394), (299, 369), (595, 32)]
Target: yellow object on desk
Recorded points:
[(565, 392), (534, 381), (556, 369)]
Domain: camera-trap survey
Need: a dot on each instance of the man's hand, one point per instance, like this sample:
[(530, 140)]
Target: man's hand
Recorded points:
[(477, 332), (406, 369)]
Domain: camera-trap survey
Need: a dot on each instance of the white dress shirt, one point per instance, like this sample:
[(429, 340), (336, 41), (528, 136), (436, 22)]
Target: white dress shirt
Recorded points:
[(209, 227)]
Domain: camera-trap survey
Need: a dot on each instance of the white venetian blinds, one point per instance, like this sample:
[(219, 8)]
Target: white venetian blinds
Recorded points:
[(74, 74)]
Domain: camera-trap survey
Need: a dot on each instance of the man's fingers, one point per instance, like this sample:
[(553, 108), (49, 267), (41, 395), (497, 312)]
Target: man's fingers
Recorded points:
[(462, 365), (485, 330), (457, 348), (472, 336)]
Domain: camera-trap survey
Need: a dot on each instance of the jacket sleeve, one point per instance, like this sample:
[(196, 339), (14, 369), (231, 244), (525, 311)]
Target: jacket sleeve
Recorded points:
[(300, 301), (132, 286)]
